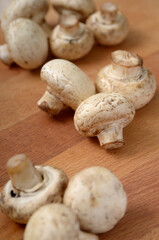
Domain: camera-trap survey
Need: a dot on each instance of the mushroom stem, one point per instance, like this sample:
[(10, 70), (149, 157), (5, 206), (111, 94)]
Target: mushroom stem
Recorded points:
[(87, 236), (69, 12), (111, 138), (109, 11), (5, 54), (50, 103), (23, 174), (126, 65), (70, 26), (125, 72)]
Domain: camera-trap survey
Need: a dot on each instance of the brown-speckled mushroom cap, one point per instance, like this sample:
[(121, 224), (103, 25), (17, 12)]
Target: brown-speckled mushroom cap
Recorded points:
[(67, 82), (127, 75), (97, 197), (55, 221), (32, 9), (71, 39), (104, 115), (109, 25), (20, 205), (27, 43), (81, 8)]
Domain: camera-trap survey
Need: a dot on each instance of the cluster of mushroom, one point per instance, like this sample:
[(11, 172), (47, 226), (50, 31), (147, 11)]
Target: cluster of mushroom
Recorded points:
[(26, 32), (92, 202), (122, 87), (72, 39)]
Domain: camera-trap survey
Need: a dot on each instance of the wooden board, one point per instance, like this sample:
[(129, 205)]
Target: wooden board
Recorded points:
[(54, 141)]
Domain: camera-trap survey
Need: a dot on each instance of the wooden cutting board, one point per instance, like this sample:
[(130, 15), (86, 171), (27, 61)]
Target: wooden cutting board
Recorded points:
[(54, 141)]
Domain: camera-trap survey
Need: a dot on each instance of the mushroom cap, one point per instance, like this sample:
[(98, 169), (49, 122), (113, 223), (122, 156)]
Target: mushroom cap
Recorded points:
[(27, 43), (67, 45), (97, 198), (83, 7), (101, 111), (67, 82), (22, 173), (20, 206), (108, 30), (53, 221), (23, 9), (140, 89)]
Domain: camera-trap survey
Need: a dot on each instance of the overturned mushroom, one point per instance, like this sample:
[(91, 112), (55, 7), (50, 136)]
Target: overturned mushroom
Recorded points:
[(127, 75), (80, 8), (67, 85), (30, 188), (71, 39), (109, 25), (26, 44), (104, 115), (55, 221), (97, 197), (32, 9)]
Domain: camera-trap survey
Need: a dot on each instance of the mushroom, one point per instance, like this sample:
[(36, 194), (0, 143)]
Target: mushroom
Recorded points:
[(67, 85), (32, 9), (26, 44), (30, 188), (104, 115), (80, 8), (127, 75), (71, 39), (109, 25), (55, 221), (97, 197)]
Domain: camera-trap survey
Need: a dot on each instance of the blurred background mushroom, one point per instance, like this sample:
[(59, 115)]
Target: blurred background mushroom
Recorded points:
[(71, 39), (31, 9), (109, 25), (80, 8), (26, 44)]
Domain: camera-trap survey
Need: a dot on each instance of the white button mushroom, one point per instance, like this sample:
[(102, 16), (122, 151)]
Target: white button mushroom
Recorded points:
[(32, 9), (67, 85), (109, 25), (127, 76), (55, 221), (80, 8), (98, 199), (30, 188), (104, 115), (71, 39), (26, 44)]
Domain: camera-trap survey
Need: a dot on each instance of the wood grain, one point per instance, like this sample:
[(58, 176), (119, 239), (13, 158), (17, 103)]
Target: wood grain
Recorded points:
[(54, 141)]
